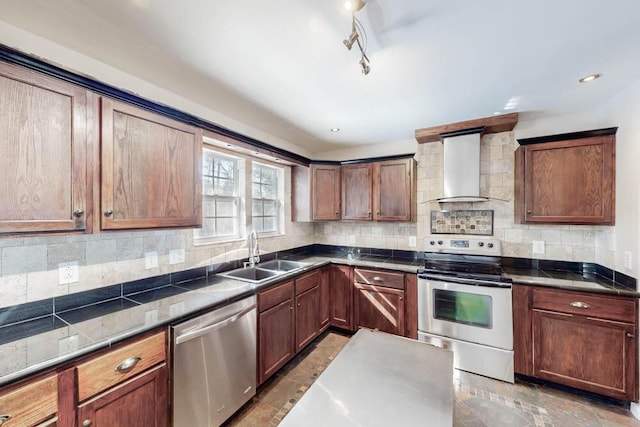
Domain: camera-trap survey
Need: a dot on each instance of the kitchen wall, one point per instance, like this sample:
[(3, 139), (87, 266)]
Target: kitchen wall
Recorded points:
[(29, 266)]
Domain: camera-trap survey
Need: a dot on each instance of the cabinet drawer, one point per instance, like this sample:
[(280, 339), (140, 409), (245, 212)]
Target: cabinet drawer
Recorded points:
[(30, 404), (274, 296), (589, 305), (307, 282), (101, 373), (379, 278)]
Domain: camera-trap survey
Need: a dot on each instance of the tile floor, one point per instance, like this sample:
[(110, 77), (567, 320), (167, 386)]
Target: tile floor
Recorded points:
[(480, 401)]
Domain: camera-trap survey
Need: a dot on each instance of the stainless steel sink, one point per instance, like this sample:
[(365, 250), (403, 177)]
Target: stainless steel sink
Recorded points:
[(282, 265), (263, 272)]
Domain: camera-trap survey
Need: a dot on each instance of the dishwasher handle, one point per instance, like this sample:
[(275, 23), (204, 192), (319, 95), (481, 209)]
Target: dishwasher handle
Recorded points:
[(199, 332)]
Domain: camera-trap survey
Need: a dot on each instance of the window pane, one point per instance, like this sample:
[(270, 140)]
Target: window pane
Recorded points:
[(269, 176), (258, 224), (269, 224), (256, 174), (225, 227), (208, 185), (269, 208), (207, 165), (257, 208), (209, 208), (269, 192), (226, 208)]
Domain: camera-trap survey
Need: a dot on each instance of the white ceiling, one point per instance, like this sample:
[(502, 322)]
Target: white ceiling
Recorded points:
[(280, 65)]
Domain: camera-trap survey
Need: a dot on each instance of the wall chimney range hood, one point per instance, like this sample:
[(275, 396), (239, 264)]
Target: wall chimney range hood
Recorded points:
[(462, 166)]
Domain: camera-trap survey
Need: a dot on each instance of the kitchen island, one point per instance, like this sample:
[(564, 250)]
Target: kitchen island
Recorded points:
[(380, 379)]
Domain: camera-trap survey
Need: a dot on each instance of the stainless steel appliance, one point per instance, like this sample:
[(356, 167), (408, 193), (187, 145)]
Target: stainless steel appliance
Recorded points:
[(464, 303), (214, 364)]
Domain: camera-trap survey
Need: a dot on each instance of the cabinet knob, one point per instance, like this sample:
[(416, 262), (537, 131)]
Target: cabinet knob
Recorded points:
[(108, 212), (579, 304), (630, 335), (401, 298), (290, 307), (128, 364), (86, 423), (529, 212), (78, 213), (377, 279), (298, 304), (4, 417)]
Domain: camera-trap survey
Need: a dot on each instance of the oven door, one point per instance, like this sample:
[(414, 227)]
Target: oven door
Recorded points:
[(473, 313)]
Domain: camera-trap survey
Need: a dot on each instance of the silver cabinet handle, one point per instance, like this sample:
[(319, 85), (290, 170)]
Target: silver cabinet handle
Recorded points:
[(78, 213), (578, 304), (377, 279), (4, 418), (86, 423), (108, 212), (128, 364), (630, 335)]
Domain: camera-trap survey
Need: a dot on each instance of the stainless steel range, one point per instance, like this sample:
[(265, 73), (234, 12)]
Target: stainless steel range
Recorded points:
[(464, 303)]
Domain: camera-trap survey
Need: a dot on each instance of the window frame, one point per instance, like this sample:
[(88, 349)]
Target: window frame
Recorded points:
[(278, 201)]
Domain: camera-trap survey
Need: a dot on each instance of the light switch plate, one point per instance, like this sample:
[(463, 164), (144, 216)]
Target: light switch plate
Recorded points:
[(413, 241), (538, 247), (176, 256), (150, 260), (627, 260), (176, 309)]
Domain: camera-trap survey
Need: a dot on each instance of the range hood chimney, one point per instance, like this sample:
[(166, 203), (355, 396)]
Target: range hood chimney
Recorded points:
[(462, 166)]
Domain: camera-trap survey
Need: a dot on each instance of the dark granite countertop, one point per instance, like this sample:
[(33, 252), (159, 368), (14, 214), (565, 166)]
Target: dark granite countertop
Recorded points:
[(102, 318), (569, 280)]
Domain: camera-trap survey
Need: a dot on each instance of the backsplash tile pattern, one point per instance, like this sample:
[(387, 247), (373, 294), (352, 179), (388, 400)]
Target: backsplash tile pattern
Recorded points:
[(477, 222)]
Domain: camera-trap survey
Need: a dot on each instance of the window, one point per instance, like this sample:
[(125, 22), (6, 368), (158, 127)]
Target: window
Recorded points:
[(221, 183), (265, 198)]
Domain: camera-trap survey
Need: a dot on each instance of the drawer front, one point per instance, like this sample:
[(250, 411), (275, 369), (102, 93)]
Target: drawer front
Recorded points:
[(274, 296), (379, 278), (103, 372), (308, 281), (589, 305), (30, 404)]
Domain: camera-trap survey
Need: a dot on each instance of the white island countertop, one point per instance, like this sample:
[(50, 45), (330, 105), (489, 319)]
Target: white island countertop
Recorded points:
[(380, 379)]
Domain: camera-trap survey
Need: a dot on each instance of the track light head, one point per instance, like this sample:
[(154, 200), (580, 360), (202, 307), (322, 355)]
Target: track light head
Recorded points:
[(364, 63), (348, 42)]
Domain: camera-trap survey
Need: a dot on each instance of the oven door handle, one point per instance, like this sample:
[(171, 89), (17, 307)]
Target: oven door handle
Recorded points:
[(472, 282)]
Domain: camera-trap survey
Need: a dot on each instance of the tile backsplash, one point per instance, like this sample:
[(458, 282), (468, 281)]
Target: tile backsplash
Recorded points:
[(477, 222)]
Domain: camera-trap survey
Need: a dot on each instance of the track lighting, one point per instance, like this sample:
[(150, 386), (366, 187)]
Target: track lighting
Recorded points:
[(358, 35), (351, 40)]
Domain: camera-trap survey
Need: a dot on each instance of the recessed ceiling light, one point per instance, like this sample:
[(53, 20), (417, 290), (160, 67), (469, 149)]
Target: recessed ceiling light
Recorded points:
[(229, 145), (590, 78), (354, 5), (335, 129), (495, 113)]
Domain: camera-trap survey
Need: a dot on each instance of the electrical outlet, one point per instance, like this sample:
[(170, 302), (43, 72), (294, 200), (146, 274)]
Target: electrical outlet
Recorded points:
[(68, 344), (627, 260), (176, 309), (150, 317), (538, 247), (176, 256), (150, 260), (67, 272), (413, 241)]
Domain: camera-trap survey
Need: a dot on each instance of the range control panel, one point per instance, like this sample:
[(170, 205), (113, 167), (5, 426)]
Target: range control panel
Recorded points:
[(464, 245)]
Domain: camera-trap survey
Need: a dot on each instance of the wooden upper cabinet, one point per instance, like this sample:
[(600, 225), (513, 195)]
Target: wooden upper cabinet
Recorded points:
[(43, 154), (570, 181), (394, 195), (325, 192), (356, 191), (150, 169)]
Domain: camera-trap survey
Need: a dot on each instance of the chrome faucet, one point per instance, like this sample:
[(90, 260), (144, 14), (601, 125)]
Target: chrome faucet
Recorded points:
[(254, 250)]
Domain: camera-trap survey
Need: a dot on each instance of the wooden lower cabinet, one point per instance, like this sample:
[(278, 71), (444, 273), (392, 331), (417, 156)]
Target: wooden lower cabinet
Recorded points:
[(582, 340), (341, 296), (141, 401), (33, 403), (275, 336), (307, 317), (379, 307), (325, 299)]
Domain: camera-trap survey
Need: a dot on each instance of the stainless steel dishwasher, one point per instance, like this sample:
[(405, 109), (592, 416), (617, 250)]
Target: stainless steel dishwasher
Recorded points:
[(214, 365)]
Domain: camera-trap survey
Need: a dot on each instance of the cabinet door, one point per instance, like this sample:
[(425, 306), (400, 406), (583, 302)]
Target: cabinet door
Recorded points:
[(593, 355), (341, 296), (393, 190), (43, 155), (141, 401), (325, 196), (356, 191), (377, 307), (150, 170), (567, 182), (325, 309), (307, 317), (275, 339), (522, 330)]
